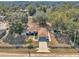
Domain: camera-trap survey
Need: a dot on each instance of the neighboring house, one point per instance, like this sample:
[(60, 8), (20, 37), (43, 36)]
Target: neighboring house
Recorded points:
[(2, 18), (3, 25), (15, 39), (2, 33), (24, 10)]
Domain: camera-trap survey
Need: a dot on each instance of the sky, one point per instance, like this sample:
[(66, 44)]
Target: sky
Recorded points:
[(39, 0)]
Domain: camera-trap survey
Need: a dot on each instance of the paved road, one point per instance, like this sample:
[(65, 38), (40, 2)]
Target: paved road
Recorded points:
[(13, 54), (36, 55)]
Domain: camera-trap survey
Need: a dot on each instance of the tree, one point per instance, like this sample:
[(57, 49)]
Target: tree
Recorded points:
[(24, 19), (40, 18), (30, 46), (16, 27), (31, 10), (42, 8), (62, 20)]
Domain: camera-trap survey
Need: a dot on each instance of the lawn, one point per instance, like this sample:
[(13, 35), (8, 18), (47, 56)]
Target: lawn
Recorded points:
[(63, 51), (53, 52), (17, 51)]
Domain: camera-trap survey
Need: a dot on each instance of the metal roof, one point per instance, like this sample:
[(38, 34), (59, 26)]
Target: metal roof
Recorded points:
[(11, 39), (43, 39), (2, 17), (31, 33), (1, 31)]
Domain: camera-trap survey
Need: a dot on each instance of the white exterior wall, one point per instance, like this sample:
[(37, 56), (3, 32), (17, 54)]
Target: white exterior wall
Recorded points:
[(43, 47), (49, 36)]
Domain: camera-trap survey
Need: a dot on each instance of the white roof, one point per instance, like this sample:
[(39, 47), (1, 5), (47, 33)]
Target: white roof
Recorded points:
[(2, 17)]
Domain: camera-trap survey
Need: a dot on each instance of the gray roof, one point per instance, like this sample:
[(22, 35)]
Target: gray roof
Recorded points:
[(1, 31), (43, 39), (11, 39)]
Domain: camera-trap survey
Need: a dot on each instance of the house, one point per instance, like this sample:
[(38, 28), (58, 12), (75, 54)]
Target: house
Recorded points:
[(43, 44), (42, 32)]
